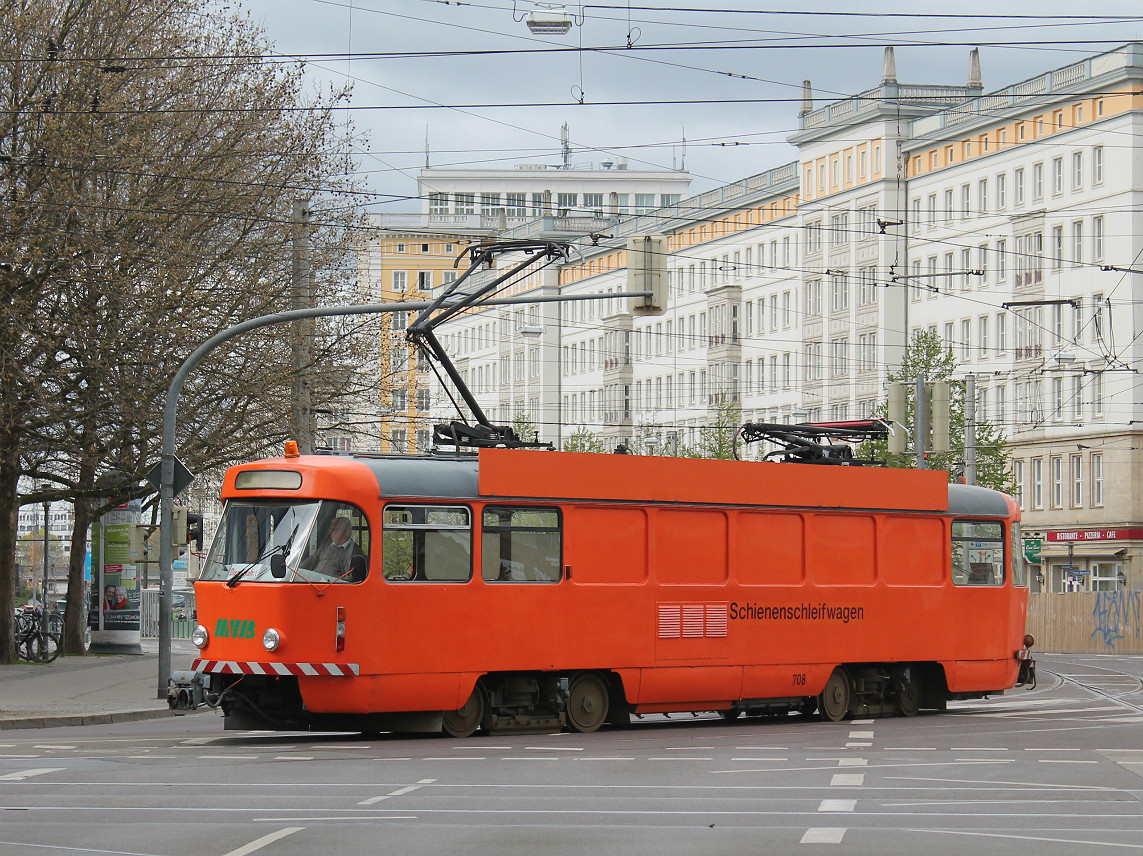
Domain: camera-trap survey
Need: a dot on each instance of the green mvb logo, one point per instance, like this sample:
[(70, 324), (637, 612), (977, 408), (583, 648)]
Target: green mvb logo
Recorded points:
[(234, 628)]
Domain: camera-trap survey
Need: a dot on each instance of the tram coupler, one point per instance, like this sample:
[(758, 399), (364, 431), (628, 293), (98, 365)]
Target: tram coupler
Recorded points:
[(185, 691), (1027, 676)]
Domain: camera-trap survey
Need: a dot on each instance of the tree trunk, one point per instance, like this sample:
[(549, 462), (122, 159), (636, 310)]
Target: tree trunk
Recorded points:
[(9, 502), (75, 613)]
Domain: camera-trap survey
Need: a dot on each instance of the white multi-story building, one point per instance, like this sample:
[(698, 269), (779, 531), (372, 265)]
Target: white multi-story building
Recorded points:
[(1007, 222)]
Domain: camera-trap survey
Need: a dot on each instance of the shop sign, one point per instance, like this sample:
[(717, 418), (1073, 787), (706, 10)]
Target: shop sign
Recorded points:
[(1065, 535), (1032, 547)]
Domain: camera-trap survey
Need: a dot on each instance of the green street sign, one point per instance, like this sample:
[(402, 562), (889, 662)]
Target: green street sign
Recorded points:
[(1032, 547)]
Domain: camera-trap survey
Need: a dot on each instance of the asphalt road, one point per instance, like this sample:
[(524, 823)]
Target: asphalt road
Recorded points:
[(1058, 770)]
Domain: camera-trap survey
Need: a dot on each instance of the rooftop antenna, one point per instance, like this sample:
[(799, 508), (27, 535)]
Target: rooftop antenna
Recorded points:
[(426, 146), (565, 147), (683, 161)]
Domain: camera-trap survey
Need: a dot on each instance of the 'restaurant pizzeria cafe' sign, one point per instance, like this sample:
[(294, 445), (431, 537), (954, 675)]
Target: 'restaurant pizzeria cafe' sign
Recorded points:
[(1096, 535)]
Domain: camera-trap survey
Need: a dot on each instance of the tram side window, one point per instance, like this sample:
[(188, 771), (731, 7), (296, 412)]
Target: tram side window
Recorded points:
[(977, 553), (426, 543), (1019, 567), (520, 545)]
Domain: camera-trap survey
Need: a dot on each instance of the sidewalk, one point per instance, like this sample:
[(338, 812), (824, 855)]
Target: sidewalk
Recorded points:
[(91, 690)]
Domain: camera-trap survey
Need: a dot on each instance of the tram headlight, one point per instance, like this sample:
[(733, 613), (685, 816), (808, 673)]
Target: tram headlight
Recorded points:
[(272, 639), (200, 637)]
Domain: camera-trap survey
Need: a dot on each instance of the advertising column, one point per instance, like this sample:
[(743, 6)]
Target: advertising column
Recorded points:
[(116, 592)]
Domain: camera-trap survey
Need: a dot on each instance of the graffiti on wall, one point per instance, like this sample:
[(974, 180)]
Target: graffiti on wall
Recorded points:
[(1116, 616)]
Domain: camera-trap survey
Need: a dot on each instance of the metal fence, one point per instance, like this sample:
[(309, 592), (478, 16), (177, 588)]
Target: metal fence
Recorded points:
[(182, 613)]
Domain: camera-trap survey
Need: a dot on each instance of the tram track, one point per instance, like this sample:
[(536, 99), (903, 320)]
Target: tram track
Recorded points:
[(1118, 697)]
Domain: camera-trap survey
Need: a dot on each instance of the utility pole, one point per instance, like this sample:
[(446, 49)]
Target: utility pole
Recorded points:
[(301, 410), (970, 429), (920, 421)]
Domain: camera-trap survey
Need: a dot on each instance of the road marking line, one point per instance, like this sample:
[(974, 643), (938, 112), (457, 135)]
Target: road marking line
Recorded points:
[(551, 748), (45, 746), (373, 818), (198, 741), (858, 745), (677, 758), (425, 781), (1062, 761), (862, 721), (837, 805), (823, 835), (269, 838), (529, 758), (1031, 838), (402, 791), (227, 757), (27, 774), (611, 758), (293, 757), (852, 762), (20, 757), (861, 735), (848, 779), (374, 800), (460, 758)]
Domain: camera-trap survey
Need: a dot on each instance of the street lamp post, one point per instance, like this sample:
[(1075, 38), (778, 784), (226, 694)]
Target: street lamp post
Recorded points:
[(44, 589)]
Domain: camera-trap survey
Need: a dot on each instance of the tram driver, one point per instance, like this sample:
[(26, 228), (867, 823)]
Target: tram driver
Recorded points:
[(339, 556)]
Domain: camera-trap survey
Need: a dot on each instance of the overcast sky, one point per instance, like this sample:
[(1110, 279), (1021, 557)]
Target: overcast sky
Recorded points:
[(761, 58)]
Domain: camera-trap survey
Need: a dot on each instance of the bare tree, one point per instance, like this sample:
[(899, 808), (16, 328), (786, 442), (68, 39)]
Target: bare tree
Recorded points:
[(152, 158)]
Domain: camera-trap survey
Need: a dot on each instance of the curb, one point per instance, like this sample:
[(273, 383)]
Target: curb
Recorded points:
[(52, 720)]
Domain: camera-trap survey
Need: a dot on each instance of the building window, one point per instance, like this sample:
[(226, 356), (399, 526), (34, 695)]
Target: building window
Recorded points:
[(565, 202), (516, 205), (1058, 176), (593, 202), (400, 280), (464, 203), (1001, 191), (438, 203), (489, 203), (644, 202), (1097, 479), (1097, 238), (1037, 181), (1057, 467), (1018, 186), (1077, 242), (1077, 170), (1037, 483), (1097, 163), (1077, 481)]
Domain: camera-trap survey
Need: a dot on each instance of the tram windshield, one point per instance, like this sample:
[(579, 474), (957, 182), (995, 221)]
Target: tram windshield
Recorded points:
[(285, 542)]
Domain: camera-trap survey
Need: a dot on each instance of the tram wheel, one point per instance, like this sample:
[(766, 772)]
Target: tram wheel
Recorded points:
[(833, 703), (730, 714), (587, 702), (465, 721), (909, 691)]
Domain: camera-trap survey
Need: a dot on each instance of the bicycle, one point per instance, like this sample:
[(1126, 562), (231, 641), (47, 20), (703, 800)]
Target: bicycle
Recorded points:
[(33, 642)]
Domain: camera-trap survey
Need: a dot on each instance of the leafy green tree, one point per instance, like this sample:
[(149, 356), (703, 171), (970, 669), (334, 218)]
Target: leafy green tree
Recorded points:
[(928, 354), (583, 440), (716, 438)]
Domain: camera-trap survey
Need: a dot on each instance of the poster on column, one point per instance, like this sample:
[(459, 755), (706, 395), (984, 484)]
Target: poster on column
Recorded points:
[(116, 596)]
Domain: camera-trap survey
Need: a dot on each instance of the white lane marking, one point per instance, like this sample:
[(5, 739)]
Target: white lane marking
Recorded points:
[(1053, 750), (425, 781), (374, 800), (198, 741), (861, 735), (259, 843), (372, 818), (529, 758), (479, 748), (858, 745), (27, 774), (847, 779), (852, 762), (402, 791), (616, 758), (551, 748), (1062, 761), (823, 835), (677, 758), (862, 721), (293, 757), (1033, 838), (46, 746), (20, 757), (459, 758), (837, 805), (978, 749), (759, 759), (994, 785), (226, 757)]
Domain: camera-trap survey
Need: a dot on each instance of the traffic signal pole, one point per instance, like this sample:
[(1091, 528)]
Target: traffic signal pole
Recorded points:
[(170, 421)]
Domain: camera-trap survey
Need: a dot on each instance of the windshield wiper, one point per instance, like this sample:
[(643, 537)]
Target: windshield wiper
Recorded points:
[(284, 549)]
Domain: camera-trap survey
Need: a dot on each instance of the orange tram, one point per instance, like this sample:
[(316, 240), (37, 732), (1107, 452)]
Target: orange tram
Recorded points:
[(537, 590)]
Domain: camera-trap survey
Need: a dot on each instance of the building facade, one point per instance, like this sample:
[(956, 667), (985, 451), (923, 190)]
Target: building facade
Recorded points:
[(1007, 222)]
